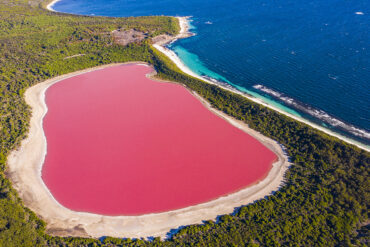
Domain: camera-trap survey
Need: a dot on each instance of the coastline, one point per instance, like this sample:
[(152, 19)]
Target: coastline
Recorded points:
[(27, 180), (50, 5), (25, 165), (184, 33)]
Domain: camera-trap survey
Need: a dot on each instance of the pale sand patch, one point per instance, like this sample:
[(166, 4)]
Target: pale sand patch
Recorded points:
[(25, 165), (51, 4), (172, 55), (77, 55)]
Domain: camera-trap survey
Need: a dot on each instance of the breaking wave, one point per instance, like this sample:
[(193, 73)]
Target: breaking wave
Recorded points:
[(316, 113)]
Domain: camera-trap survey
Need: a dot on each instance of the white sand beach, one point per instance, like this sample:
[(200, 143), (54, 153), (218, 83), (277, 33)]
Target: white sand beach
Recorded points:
[(51, 4), (25, 165), (172, 55)]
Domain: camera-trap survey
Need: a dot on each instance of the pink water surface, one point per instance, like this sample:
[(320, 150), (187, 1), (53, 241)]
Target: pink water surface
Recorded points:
[(119, 143)]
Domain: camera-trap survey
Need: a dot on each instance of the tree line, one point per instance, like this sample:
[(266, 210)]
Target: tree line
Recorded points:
[(325, 198)]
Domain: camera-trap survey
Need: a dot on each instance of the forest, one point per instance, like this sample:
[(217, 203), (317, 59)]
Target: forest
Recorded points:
[(325, 199)]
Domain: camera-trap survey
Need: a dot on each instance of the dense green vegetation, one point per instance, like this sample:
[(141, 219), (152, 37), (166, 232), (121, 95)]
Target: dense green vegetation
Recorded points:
[(326, 197)]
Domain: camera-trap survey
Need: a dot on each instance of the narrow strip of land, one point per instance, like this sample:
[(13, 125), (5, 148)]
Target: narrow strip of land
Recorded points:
[(25, 166), (184, 32)]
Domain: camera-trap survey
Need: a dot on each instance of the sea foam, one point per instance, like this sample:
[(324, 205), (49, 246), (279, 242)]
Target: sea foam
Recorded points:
[(316, 113)]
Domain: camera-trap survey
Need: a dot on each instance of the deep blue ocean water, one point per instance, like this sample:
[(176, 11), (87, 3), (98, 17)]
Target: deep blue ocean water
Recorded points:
[(308, 57)]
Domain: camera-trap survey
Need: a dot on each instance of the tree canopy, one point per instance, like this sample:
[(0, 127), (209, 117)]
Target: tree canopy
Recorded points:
[(325, 198)]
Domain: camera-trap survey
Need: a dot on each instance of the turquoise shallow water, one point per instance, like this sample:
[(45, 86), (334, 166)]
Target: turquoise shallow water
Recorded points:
[(310, 58), (193, 62)]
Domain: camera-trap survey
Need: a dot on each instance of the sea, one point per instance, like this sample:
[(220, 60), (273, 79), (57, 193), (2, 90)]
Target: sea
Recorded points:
[(308, 58)]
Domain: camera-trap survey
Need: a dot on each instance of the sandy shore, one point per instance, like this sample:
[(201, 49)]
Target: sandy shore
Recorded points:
[(25, 165), (51, 4), (172, 55)]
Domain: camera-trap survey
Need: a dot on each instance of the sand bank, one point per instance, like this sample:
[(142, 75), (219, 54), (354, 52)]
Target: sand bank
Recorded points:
[(24, 170), (172, 55), (51, 4)]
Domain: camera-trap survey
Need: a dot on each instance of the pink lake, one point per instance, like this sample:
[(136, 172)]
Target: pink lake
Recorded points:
[(119, 143)]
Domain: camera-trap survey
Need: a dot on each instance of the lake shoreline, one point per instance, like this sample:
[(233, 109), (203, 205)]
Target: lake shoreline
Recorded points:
[(25, 165)]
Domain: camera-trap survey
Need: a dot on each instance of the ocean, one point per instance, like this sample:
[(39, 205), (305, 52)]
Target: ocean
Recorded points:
[(309, 58)]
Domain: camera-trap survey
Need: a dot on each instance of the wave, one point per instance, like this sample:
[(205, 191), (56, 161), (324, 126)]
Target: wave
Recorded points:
[(316, 113)]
